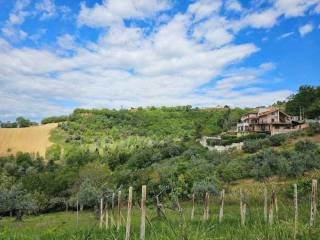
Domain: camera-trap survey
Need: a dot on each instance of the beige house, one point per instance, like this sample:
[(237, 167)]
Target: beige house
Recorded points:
[(269, 120)]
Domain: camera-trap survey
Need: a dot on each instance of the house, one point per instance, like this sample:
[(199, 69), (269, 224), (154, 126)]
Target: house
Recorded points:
[(269, 120)]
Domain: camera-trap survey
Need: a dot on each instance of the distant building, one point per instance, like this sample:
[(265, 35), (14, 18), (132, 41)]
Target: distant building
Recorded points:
[(269, 120)]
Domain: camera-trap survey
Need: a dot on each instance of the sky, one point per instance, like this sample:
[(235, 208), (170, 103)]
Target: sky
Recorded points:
[(58, 55)]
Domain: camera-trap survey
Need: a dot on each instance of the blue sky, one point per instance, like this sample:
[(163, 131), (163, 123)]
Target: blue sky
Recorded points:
[(58, 55)]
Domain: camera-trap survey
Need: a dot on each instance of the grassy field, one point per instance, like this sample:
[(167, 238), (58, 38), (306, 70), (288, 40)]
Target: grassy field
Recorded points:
[(174, 225), (32, 139)]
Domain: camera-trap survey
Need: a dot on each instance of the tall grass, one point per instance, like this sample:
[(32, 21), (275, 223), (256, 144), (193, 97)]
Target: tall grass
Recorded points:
[(174, 225)]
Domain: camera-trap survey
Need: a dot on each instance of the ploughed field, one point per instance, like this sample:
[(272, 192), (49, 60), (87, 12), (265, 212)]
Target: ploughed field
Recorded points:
[(32, 139)]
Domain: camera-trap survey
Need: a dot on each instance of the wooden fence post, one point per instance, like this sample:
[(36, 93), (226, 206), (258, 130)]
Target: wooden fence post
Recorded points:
[(313, 211), (243, 208), (192, 210), (101, 213), (295, 195), (206, 207), (77, 212), (272, 205), (119, 211), (143, 213), (221, 206), (265, 210), (159, 207), (112, 209), (129, 214), (107, 214)]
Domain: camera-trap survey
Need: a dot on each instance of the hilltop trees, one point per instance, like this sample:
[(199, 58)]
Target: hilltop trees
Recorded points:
[(307, 99), (20, 122)]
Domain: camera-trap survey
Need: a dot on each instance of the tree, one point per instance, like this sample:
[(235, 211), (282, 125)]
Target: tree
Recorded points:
[(16, 199), (23, 122), (307, 99), (88, 194)]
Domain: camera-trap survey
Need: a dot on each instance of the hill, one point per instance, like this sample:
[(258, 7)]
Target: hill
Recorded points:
[(32, 139)]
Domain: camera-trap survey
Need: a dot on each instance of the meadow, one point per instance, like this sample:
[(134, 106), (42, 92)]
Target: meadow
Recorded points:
[(174, 224)]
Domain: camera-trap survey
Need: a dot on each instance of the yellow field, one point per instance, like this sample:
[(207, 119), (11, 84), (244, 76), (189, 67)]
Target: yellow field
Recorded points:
[(31, 139)]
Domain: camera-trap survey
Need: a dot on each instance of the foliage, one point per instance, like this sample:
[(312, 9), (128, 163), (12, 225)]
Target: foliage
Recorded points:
[(313, 129), (20, 122), (278, 139), (227, 139), (307, 99), (54, 119)]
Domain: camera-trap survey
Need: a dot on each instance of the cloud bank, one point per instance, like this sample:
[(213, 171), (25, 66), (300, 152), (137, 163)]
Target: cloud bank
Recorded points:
[(188, 57)]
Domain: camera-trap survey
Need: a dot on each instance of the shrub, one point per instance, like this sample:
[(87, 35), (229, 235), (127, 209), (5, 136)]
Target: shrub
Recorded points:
[(313, 129), (305, 146), (252, 146), (267, 163), (278, 139)]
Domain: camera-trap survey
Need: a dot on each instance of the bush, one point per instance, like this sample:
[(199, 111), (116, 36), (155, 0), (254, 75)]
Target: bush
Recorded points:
[(278, 139), (252, 146), (266, 164), (313, 129), (305, 146)]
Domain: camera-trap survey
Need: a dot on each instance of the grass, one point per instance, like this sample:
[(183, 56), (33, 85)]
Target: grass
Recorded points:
[(174, 225)]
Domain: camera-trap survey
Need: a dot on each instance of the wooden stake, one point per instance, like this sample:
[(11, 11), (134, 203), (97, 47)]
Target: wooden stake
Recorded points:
[(272, 205), (101, 213), (313, 211), (112, 209), (119, 211), (295, 195), (143, 213), (77, 213), (129, 214), (265, 210), (243, 208), (159, 207), (206, 207), (192, 210), (221, 206), (107, 215)]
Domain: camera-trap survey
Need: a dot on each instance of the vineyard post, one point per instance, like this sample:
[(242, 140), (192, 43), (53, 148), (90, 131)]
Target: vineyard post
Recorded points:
[(143, 213), (112, 209), (206, 207), (107, 215), (313, 211), (221, 206), (243, 208), (101, 213), (128, 225), (295, 195), (265, 210), (119, 211), (192, 210), (272, 205), (77, 212)]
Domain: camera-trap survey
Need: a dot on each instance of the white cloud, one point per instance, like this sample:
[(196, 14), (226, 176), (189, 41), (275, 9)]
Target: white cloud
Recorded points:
[(204, 8), (14, 34), (305, 29), (47, 9), (233, 5), (294, 8), (109, 12), (264, 19), (66, 41), (285, 35)]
